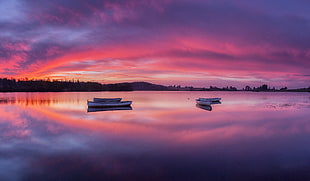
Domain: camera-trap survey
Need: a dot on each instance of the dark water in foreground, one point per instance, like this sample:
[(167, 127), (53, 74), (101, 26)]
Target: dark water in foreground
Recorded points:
[(250, 136)]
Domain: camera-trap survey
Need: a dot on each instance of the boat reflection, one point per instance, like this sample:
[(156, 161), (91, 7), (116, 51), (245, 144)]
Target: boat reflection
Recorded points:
[(98, 109), (205, 107)]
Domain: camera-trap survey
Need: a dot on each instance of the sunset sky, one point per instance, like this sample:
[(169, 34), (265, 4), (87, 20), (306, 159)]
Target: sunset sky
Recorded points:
[(188, 42)]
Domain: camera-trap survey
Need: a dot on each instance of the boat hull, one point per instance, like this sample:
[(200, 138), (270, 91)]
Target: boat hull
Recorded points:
[(107, 99), (204, 103), (99, 109), (216, 99), (109, 104)]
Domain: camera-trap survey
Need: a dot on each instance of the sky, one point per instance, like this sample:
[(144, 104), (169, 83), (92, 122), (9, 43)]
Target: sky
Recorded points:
[(171, 42)]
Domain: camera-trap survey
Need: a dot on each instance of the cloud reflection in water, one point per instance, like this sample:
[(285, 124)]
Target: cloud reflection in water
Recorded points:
[(237, 141)]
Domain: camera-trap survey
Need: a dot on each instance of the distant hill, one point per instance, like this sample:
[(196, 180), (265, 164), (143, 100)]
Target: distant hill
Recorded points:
[(140, 86), (134, 86)]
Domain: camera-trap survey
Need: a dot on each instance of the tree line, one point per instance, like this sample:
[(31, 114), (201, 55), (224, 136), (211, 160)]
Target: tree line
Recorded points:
[(13, 85)]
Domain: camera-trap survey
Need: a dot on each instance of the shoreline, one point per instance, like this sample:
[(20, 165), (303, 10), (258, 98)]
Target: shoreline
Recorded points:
[(155, 91)]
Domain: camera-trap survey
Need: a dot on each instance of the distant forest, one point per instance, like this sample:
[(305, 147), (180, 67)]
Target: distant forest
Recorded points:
[(13, 85)]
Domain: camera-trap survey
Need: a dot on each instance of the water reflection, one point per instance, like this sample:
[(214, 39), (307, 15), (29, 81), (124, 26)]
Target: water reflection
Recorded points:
[(205, 107), (27, 102), (98, 109), (164, 137)]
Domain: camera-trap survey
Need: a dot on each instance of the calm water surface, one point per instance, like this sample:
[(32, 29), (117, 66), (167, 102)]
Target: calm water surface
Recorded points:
[(250, 136)]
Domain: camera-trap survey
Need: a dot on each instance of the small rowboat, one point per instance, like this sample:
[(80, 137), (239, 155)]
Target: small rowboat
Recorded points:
[(208, 101), (204, 103), (107, 99), (216, 99), (98, 109), (108, 104)]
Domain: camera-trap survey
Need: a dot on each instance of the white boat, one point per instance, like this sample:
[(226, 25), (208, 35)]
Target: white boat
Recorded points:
[(203, 103), (108, 104), (107, 99), (98, 109), (216, 99)]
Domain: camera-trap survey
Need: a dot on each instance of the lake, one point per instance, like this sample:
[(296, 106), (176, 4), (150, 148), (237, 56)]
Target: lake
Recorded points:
[(249, 136)]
